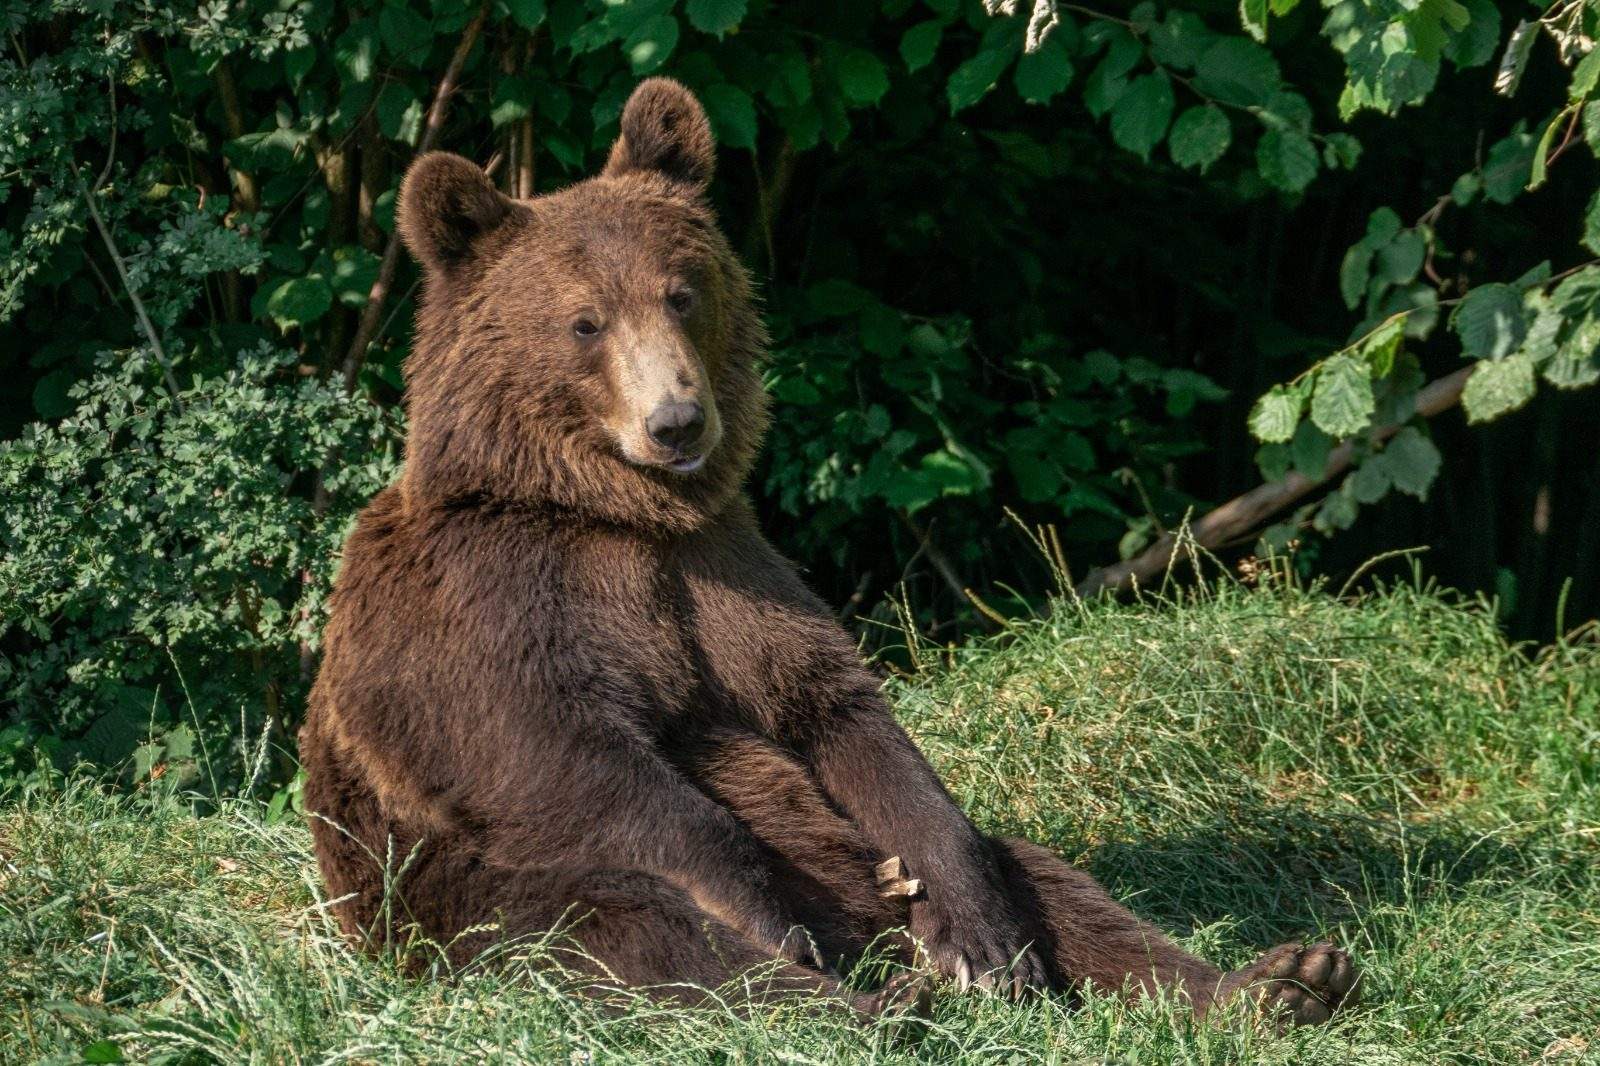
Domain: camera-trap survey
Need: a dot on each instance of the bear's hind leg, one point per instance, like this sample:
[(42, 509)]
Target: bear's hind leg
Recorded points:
[(1089, 937), (626, 928)]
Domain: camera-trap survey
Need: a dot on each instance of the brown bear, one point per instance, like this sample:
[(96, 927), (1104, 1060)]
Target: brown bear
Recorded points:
[(567, 683)]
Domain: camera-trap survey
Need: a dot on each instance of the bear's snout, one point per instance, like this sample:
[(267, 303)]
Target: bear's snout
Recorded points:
[(677, 426)]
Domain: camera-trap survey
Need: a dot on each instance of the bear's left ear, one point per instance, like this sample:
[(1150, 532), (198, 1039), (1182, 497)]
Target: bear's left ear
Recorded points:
[(446, 204), (664, 129)]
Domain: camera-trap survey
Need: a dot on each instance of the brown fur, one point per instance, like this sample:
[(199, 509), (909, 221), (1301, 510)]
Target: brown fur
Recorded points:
[(581, 684)]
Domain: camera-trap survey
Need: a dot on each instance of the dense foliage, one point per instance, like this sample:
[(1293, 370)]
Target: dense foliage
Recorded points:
[(1061, 280), (163, 571)]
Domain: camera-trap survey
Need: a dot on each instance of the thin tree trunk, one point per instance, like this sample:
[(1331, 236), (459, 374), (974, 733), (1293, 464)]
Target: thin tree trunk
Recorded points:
[(372, 313)]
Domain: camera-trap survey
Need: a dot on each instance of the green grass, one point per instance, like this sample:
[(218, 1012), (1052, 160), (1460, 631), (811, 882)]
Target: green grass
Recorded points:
[(1243, 767)]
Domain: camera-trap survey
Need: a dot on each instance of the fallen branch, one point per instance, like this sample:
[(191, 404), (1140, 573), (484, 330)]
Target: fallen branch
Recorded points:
[(1243, 514), (372, 312)]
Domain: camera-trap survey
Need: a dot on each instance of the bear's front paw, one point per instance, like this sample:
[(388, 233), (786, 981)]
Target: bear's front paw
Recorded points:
[(1298, 985), (982, 950)]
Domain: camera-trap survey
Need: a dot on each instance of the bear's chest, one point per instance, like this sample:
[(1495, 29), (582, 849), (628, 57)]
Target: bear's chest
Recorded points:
[(634, 620)]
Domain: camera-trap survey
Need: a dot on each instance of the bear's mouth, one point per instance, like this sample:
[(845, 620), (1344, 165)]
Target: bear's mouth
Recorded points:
[(686, 465)]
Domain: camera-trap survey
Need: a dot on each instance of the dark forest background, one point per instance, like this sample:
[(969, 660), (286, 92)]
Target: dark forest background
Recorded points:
[(1051, 284)]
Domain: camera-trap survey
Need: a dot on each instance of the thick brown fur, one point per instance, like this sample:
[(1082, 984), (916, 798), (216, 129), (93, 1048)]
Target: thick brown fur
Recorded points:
[(568, 678)]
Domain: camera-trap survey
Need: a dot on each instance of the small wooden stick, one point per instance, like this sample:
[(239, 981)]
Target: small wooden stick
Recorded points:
[(893, 882)]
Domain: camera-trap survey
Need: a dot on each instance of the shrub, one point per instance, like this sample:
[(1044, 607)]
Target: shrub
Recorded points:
[(159, 568)]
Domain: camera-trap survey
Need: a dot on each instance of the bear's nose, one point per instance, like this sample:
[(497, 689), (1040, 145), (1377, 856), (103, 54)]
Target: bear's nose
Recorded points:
[(676, 425)]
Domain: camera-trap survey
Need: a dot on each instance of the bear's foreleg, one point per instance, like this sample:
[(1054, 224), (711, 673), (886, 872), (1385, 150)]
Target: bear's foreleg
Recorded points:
[(868, 767), (821, 866)]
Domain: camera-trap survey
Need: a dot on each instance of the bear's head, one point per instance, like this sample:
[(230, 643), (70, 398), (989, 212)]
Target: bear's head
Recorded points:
[(594, 349)]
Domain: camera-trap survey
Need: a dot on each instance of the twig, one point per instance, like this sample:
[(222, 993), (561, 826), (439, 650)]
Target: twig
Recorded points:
[(1566, 140), (367, 327), (1244, 513), (853, 604), (941, 563), (387, 322), (936, 557), (524, 184), (770, 192), (111, 150), (127, 284), (1089, 12)]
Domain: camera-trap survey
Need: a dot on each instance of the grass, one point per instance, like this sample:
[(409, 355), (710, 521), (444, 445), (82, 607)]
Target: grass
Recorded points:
[(1243, 766)]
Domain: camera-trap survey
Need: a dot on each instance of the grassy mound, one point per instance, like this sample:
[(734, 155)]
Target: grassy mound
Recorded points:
[(1242, 767)]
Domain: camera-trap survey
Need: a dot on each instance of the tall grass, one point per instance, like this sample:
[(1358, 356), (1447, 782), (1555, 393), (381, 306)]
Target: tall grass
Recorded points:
[(1242, 766)]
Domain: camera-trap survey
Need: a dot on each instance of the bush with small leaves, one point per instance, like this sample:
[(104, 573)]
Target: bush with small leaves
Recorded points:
[(159, 569)]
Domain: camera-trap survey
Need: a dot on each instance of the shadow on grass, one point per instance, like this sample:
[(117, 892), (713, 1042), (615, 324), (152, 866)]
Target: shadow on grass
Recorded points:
[(1279, 872)]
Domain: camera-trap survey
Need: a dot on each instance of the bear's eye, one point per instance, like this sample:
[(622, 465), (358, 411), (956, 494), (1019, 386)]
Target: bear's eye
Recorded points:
[(585, 328), (681, 301)]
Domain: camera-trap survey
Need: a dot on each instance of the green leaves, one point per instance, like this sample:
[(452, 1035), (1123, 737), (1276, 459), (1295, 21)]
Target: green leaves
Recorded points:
[(716, 17), (1490, 322), (732, 114), (1277, 414), (299, 301), (1384, 257), (529, 14), (1342, 401), (863, 79), (919, 44), (1178, 42), (1497, 387), (836, 297), (1338, 394), (406, 35), (1109, 79), (1576, 363), (1584, 77), (649, 46), (1139, 119), (1200, 137), (513, 101), (1237, 71), (399, 113), (973, 79), (161, 554), (1392, 51), (1287, 159), (355, 51), (1228, 71), (1253, 16), (354, 271), (1043, 74), (1411, 462), (1509, 165), (1591, 224)]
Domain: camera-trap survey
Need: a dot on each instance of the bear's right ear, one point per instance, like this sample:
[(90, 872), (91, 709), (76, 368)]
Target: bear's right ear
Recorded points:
[(446, 204)]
